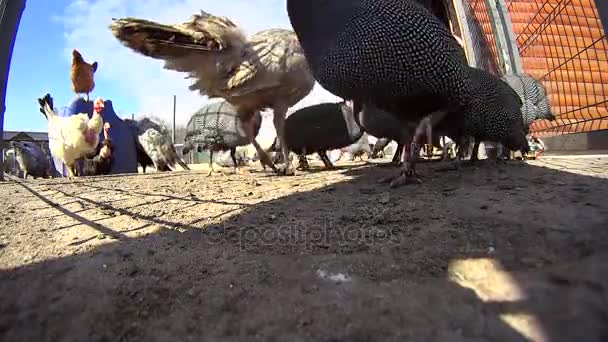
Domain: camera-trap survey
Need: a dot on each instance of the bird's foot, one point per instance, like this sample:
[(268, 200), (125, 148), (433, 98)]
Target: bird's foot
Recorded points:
[(402, 179), (406, 176), (209, 173), (286, 170)]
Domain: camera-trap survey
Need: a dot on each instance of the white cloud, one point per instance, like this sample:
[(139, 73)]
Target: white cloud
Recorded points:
[(143, 78)]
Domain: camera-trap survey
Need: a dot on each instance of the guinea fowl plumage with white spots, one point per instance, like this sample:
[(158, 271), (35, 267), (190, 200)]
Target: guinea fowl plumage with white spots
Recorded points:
[(393, 54), (493, 114), (535, 104), (154, 139), (218, 127)]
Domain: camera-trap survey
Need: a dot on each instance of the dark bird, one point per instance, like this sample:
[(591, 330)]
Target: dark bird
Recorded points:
[(32, 160), (265, 70), (320, 128), (101, 163), (218, 127), (153, 138), (535, 103), (393, 54), (493, 114)]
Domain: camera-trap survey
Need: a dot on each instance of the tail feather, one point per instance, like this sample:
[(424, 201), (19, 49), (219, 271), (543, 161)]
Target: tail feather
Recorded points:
[(46, 106)]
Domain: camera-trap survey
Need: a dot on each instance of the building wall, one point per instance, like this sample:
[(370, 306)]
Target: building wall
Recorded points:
[(563, 44)]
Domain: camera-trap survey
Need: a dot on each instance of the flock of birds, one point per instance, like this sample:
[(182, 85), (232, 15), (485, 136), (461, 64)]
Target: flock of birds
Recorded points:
[(403, 75)]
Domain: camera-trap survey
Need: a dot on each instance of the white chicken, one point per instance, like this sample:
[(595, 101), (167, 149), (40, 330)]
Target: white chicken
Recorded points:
[(73, 137)]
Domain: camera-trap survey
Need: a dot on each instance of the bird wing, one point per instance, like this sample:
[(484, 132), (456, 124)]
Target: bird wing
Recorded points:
[(270, 51)]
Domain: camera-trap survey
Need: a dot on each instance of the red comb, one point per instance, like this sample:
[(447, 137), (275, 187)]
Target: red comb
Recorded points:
[(98, 105)]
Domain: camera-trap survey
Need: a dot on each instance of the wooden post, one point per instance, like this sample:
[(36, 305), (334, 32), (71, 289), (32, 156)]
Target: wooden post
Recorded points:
[(174, 106), (500, 37), (10, 16), (463, 23)]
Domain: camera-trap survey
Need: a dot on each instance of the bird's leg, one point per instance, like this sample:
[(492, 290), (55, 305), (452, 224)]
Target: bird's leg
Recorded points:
[(475, 153), (408, 169), (303, 161), (398, 154), (233, 156), (444, 154), (210, 164), (71, 172), (325, 160), (279, 125), (249, 127)]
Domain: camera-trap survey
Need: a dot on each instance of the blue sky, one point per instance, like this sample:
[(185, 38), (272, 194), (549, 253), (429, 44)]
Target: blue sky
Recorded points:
[(49, 30)]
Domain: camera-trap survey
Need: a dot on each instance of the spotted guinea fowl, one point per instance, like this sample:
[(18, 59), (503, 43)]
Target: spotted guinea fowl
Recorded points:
[(218, 127), (265, 70), (154, 139), (535, 102), (393, 54), (32, 160), (493, 114), (320, 128)]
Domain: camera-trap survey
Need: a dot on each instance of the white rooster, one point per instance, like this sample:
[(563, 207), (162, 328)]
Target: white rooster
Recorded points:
[(73, 137)]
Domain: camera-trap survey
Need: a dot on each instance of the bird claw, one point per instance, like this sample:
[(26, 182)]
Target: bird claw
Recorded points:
[(404, 177), (287, 170)]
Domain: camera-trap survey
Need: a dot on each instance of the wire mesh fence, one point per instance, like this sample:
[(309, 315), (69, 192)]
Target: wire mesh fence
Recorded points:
[(563, 44)]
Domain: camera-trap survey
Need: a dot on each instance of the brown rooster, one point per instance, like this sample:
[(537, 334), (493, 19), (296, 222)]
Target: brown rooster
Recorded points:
[(266, 70), (82, 74)]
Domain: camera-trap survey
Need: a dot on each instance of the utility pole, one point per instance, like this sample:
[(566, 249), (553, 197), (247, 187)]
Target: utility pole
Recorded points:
[(10, 16), (133, 116), (174, 106)]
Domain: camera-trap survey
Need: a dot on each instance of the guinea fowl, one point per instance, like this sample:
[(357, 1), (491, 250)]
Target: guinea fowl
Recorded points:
[(218, 127), (153, 138), (493, 114), (535, 103), (265, 70), (393, 54), (31, 158), (320, 128)]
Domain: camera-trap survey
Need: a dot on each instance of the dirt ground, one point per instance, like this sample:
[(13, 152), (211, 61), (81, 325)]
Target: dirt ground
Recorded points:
[(510, 252)]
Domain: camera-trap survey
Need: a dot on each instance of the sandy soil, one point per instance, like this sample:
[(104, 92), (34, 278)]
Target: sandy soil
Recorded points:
[(507, 253)]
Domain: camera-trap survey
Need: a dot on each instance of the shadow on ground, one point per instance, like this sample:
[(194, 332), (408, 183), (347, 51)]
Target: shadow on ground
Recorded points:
[(511, 253)]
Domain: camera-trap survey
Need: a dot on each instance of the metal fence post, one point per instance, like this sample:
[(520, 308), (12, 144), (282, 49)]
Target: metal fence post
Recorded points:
[(602, 8), (507, 24), (10, 16), (465, 30), (502, 46)]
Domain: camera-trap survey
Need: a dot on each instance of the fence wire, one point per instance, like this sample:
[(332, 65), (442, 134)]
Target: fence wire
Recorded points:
[(483, 37), (563, 44)]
